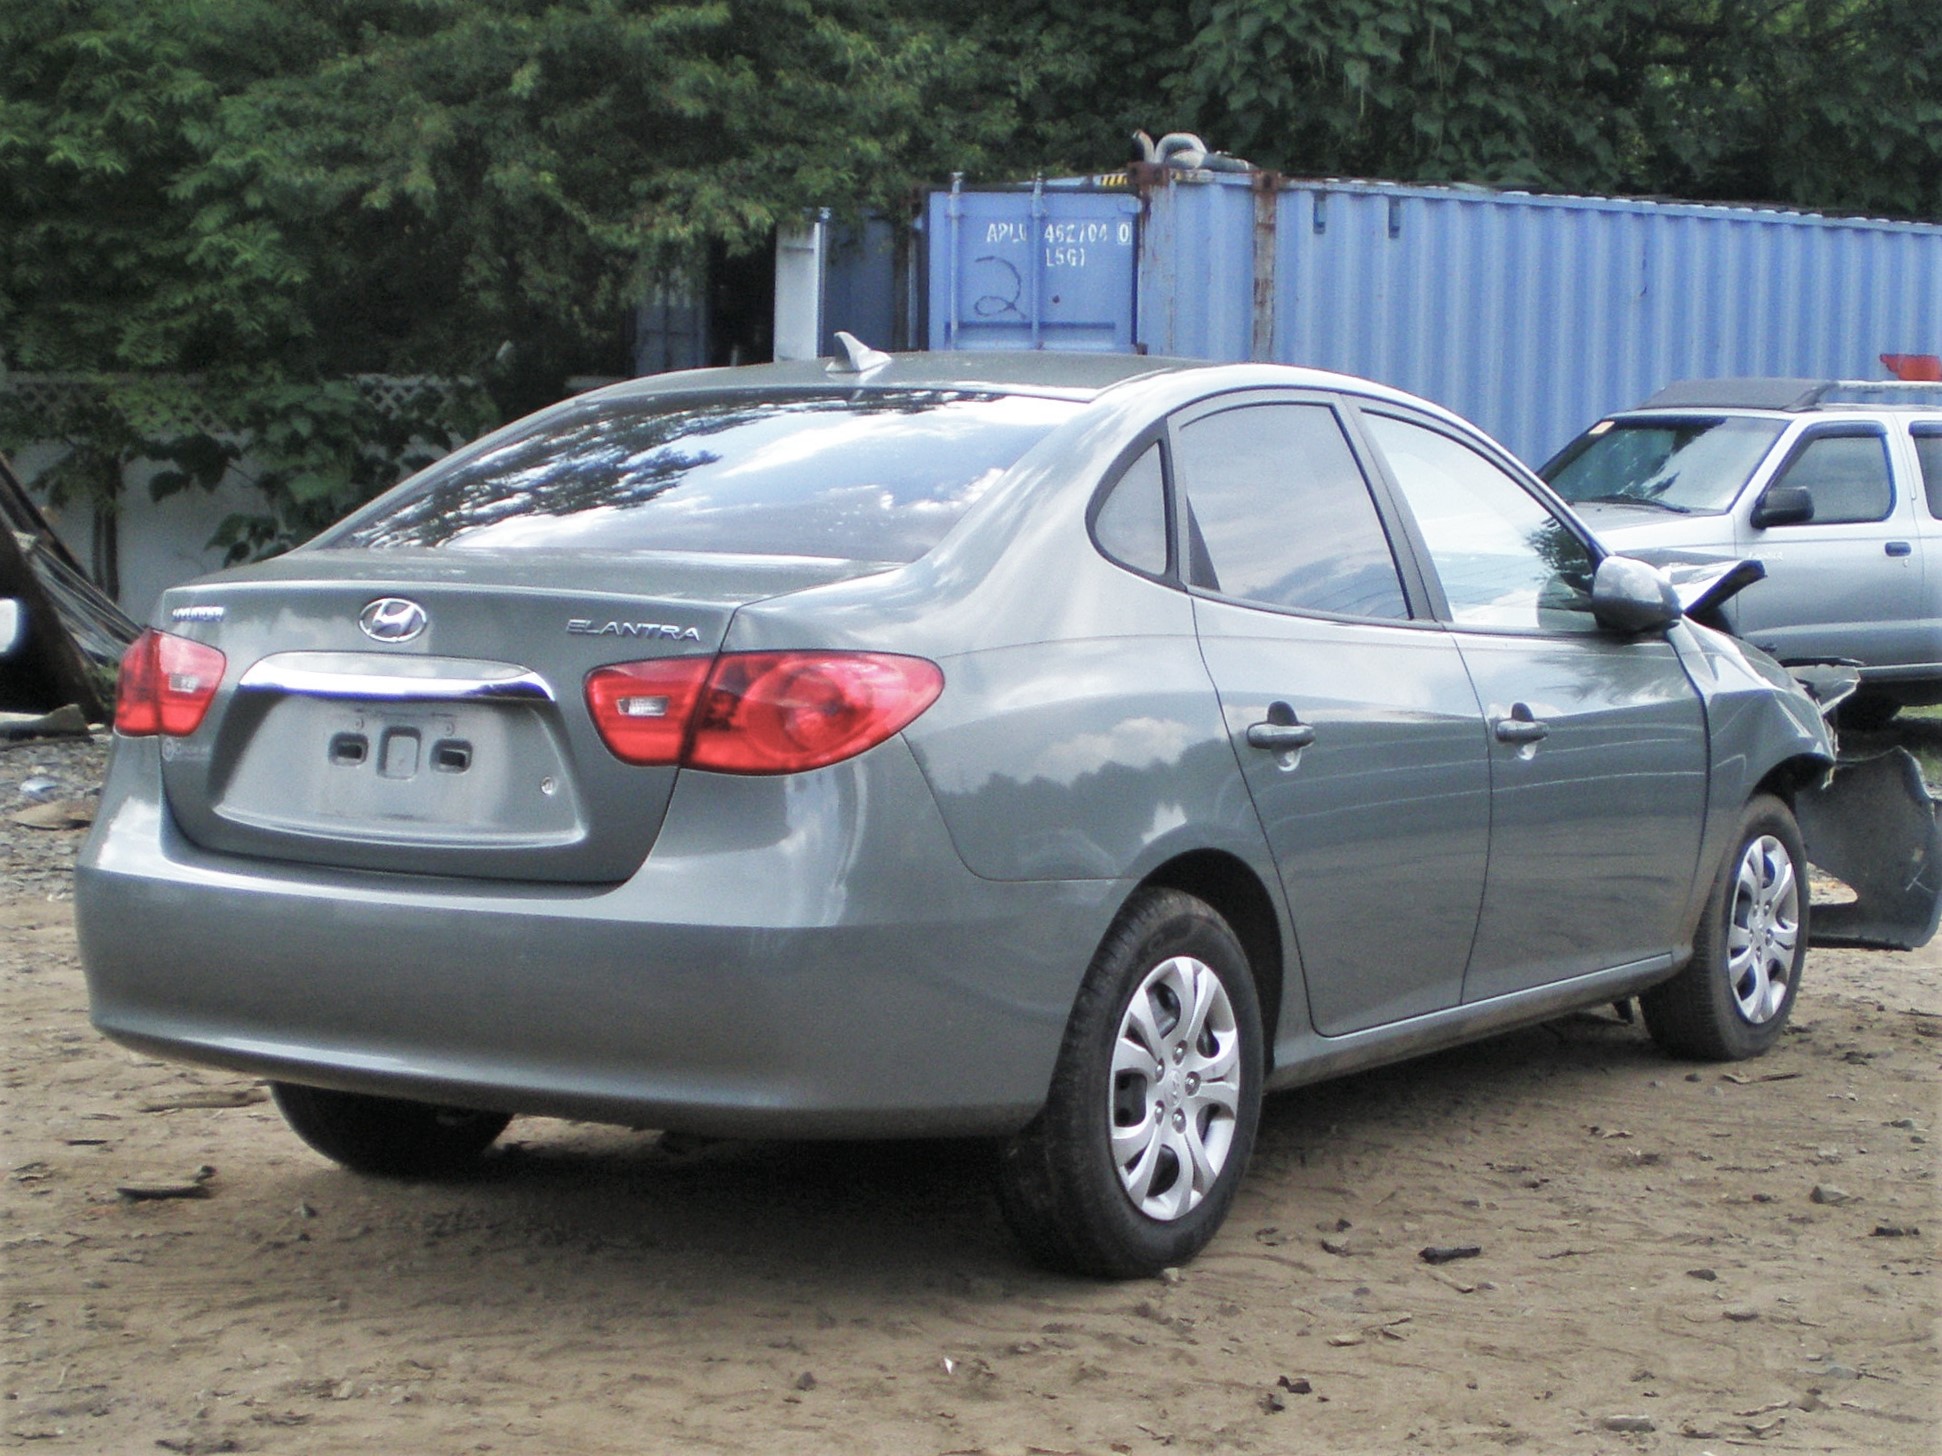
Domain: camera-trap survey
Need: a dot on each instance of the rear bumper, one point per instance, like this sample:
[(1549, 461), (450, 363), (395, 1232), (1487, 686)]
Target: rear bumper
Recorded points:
[(796, 957)]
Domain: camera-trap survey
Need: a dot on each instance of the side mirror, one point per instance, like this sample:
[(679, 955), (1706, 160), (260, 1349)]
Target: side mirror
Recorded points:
[(1628, 595), (1784, 505)]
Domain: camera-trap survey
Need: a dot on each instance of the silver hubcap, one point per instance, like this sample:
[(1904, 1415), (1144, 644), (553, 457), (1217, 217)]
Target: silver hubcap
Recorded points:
[(1176, 1084), (1764, 929)]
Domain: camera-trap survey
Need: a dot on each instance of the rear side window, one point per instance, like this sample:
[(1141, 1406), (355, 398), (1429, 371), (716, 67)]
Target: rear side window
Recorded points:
[(1278, 513), (1928, 454), (1131, 526), (1847, 475), (860, 476)]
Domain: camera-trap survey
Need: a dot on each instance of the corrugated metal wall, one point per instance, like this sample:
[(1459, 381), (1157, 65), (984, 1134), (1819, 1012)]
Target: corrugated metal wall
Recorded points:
[(1531, 315), (1535, 315)]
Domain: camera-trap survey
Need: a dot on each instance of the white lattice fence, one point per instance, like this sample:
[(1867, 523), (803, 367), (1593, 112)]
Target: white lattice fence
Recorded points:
[(178, 405)]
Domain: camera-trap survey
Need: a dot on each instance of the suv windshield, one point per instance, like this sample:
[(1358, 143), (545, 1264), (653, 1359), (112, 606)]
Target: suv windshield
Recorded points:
[(877, 476), (1678, 465)]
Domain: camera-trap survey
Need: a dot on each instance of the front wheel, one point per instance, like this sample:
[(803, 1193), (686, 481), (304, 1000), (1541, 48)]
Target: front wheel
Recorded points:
[(386, 1134), (1732, 999), (1134, 1161)]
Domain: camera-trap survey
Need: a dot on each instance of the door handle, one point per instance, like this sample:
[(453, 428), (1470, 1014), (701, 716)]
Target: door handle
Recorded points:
[(1898, 548), (1520, 726), (1282, 737)]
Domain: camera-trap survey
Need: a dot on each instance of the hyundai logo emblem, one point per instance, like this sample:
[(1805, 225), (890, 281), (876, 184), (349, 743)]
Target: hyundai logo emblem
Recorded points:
[(392, 619)]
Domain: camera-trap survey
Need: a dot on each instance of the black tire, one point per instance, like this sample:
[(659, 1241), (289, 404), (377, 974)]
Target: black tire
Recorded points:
[(1733, 998), (1867, 712), (387, 1134), (1059, 1182)]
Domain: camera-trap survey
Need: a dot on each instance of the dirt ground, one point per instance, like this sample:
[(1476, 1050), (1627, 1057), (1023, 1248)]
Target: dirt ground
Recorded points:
[(1671, 1259)]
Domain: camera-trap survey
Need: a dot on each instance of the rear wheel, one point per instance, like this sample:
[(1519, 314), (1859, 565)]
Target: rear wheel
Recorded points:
[(1134, 1161), (1732, 1000), (386, 1134)]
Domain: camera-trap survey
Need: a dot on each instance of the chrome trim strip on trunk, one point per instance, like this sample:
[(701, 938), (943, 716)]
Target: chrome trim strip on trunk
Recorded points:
[(393, 678)]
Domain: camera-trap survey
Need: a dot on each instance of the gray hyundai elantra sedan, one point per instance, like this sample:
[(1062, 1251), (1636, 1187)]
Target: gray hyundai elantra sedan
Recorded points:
[(1062, 749)]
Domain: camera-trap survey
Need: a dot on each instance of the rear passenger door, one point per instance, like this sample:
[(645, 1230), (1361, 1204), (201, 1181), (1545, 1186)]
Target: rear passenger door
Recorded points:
[(1848, 583), (1597, 741), (1357, 732)]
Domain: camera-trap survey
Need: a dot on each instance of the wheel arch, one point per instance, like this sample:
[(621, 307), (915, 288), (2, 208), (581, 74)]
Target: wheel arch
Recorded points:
[(1235, 892), (1786, 779)]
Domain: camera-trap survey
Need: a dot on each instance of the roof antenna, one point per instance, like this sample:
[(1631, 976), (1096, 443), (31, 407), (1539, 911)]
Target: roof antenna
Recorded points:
[(859, 357)]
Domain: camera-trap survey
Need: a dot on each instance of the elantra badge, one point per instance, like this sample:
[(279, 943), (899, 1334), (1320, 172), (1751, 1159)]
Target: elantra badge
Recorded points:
[(392, 619)]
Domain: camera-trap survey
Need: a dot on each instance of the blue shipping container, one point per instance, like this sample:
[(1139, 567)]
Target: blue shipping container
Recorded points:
[(1531, 315)]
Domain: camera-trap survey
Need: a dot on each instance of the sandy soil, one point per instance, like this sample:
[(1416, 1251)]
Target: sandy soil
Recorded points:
[(1672, 1259)]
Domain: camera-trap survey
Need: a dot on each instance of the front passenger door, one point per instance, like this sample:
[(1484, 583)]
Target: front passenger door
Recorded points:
[(1847, 583), (1597, 742)]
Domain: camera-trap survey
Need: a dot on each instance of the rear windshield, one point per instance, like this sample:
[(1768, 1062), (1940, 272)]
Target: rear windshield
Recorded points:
[(877, 476), (1683, 465)]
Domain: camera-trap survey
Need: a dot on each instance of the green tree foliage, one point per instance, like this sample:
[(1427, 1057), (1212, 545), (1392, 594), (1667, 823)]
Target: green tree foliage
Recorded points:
[(234, 207), (266, 198), (1831, 104)]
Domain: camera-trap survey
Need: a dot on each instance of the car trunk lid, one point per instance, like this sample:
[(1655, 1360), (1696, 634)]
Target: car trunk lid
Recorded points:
[(423, 711)]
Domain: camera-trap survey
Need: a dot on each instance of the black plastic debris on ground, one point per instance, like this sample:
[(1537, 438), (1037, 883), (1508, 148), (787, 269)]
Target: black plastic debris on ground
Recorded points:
[(64, 636)]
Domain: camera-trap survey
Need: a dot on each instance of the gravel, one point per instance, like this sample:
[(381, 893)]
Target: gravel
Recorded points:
[(39, 863)]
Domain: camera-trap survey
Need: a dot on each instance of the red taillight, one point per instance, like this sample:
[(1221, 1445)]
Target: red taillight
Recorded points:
[(758, 712), (642, 709), (166, 685)]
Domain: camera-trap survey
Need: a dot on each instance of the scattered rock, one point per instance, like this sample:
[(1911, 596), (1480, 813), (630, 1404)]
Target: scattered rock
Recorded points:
[(1707, 1274), (1171, 1276), (1740, 1313), (806, 1381), (207, 1097), (1642, 1425), (67, 721), (1829, 1194), (1894, 1231), (196, 1185), (1446, 1253), (1337, 1247), (1299, 1385), (67, 814), (1273, 1404), (1341, 1341)]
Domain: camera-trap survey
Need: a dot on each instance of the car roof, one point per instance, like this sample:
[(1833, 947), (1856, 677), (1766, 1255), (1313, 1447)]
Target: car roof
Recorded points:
[(1794, 396), (1078, 376), (1155, 382)]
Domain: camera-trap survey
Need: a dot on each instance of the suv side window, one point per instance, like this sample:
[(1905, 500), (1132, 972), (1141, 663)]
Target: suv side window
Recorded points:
[(1279, 514), (1928, 455), (1847, 476), (1504, 559)]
